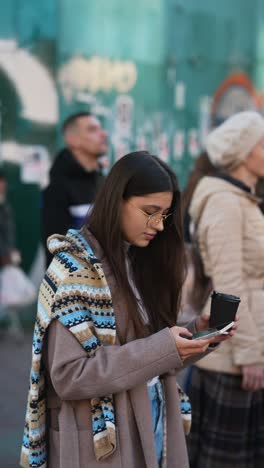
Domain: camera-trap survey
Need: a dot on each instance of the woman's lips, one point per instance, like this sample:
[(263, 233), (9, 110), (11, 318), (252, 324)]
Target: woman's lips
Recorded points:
[(149, 236)]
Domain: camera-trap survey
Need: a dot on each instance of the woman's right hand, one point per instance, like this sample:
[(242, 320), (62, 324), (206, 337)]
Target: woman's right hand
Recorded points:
[(186, 347), (252, 378)]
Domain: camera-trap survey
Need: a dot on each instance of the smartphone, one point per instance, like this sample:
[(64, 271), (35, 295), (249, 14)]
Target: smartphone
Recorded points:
[(212, 332)]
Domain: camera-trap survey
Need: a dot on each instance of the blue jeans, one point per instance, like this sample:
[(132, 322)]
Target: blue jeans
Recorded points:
[(157, 409)]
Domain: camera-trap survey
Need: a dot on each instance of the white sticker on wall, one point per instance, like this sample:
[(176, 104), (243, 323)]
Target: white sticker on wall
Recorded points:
[(163, 147), (178, 144), (124, 116), (193, 142), (179, 95)]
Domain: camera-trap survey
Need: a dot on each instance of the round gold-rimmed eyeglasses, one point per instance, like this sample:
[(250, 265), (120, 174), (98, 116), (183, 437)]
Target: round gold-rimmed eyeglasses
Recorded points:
[(153, 219)]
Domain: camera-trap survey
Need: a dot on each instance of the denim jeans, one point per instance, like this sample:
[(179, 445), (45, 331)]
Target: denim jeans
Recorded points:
[(157, 409)]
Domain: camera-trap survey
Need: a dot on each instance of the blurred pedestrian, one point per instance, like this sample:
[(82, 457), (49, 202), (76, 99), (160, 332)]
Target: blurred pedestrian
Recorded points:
[(109, 301), (75, 175), (8, 252), (9, 259), (227, 387)]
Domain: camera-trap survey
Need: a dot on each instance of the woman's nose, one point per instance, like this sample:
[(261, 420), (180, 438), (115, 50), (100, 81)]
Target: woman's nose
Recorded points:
[(160, 225)]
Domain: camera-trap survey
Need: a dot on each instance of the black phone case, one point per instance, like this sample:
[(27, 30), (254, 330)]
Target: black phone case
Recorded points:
[(223, 309)]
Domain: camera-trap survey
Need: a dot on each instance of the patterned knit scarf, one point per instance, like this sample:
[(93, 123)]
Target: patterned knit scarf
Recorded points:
[(83, 304)]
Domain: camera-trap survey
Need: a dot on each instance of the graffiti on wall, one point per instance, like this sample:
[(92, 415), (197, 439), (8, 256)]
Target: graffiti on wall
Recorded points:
[(33, 83), (38, 103), (96, 74)]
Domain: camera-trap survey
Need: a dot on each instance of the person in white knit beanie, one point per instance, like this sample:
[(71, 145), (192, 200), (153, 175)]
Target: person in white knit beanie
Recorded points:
[(229, 144), (227, 387)]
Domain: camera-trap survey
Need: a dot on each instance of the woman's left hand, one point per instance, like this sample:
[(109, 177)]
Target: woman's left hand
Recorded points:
[(202, 322)]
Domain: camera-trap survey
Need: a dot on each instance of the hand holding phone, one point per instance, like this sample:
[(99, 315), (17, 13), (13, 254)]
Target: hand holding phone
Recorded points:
[(185, 345)]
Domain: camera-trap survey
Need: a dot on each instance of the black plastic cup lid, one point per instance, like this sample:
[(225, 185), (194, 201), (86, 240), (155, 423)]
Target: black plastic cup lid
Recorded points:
[(226, 297)]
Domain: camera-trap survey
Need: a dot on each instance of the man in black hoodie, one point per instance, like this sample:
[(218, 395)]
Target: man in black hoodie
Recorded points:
[(75, 176)]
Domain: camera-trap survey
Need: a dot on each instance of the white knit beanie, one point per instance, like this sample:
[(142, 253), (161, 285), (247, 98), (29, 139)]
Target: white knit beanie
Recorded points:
[(229, 144)]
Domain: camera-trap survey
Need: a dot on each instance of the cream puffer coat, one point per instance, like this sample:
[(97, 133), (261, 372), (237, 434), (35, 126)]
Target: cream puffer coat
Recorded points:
[(230, 230)]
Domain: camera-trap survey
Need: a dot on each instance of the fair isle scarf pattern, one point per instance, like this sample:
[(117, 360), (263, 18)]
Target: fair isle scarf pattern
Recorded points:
[(75, 292)]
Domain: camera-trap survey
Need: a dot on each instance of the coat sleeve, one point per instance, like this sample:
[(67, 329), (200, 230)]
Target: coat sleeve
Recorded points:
[(112, 369), (223, 243)]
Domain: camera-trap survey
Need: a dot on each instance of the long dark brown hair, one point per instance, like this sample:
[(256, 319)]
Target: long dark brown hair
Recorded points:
[(202, 167), (158, 269), (260, 192), (202, 285)]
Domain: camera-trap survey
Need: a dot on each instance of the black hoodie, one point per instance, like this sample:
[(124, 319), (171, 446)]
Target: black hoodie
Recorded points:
[(69, 196)]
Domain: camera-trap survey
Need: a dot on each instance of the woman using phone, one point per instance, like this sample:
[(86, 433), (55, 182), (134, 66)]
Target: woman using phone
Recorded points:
[(106, 346), (228, 228)]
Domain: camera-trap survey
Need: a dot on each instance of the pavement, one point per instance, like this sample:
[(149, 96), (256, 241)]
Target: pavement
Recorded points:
[(15, 359)]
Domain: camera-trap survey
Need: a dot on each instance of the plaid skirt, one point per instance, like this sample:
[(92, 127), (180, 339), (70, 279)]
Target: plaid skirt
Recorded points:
[(227, 422)]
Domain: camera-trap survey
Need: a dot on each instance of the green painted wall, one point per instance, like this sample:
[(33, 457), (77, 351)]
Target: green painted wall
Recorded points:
[(175, 45), (210, 40), (174, 53), (123, 31)]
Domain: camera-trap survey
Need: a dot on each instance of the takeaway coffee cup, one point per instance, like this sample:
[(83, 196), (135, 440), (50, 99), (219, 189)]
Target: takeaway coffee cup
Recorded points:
[(223, 309)]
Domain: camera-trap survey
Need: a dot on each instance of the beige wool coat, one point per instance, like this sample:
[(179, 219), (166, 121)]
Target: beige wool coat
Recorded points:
[(230, 230), (73, 380)]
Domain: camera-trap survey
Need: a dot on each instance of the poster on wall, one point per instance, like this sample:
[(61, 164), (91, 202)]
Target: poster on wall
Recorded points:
[(120, 148), (193, 143), (163, 149), (124, 116), (178, 145), (141, 143), (123, 123), (204, 121), (35, 166), (34, 161), (235, 94)]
